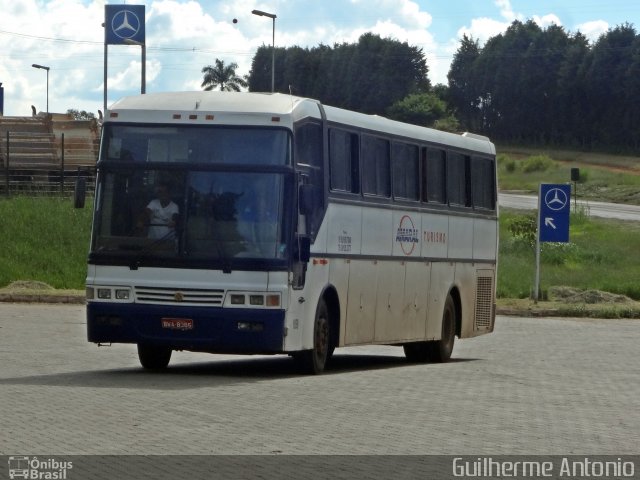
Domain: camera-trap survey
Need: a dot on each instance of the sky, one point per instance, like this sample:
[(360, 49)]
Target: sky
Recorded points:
[(183, 36)]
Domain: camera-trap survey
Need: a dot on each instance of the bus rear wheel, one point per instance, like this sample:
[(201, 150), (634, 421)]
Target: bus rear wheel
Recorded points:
[(154, 358), (436, 350), (314, 361), (441, 350)]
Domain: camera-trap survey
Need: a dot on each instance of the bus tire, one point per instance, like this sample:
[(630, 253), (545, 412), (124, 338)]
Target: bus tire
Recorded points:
[(152, 357), (314, 361), (416, 352), (440, 350)]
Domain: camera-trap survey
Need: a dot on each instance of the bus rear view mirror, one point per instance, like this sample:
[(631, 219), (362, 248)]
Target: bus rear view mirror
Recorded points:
[(308, 198), (79, 192), (304, 249)]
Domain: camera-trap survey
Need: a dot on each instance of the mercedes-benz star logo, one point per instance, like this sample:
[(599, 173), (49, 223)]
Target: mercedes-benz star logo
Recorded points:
[(556, 199), (125, 24)]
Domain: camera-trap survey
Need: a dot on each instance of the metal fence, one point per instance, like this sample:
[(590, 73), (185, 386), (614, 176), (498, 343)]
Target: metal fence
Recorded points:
[(45, 164)]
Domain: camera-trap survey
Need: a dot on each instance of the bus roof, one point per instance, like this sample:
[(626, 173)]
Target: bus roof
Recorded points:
[(210, 102), (251, 108)]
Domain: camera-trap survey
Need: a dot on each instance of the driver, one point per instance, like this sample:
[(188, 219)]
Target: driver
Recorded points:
[(161, 215)]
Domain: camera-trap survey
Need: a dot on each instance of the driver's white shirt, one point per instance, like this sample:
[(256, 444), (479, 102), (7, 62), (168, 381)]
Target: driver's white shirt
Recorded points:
[(161, 216)]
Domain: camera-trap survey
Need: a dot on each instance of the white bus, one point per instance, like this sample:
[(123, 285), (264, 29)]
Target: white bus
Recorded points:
[(264, 223)]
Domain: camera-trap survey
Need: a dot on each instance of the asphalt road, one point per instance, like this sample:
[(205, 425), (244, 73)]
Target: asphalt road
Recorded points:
[(597, 209), (534, 386)]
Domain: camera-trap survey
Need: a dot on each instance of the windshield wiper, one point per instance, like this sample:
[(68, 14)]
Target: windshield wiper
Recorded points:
[(144, 250)]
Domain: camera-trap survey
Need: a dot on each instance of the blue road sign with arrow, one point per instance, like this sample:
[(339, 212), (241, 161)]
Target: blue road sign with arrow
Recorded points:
[(553, 212)]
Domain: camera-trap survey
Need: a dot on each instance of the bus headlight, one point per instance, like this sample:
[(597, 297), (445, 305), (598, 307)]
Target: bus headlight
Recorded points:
[(256, 299), (253, 300), (103, 293), (237, 299), (122, 294)]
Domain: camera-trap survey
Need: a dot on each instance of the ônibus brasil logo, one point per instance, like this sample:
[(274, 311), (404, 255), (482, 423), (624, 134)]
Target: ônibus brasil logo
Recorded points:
[(34, 468), (407, 235)]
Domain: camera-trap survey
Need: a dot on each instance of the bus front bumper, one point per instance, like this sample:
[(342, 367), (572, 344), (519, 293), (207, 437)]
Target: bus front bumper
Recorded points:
[(205, 329)]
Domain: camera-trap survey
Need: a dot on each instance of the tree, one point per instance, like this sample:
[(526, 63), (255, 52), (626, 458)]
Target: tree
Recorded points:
[(81, 115), (367, 76), (573, 108), (462, 94), (422, 109), (223, 76), (607, 82)]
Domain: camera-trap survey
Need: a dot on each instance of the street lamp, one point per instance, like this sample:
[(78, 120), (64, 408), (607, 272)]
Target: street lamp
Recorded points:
[(143, 60), (42, 67), (272, 16)]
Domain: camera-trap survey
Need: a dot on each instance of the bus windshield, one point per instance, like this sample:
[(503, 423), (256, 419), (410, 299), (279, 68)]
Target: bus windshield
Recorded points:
[(193, 197), (195, 144), (202, 216)]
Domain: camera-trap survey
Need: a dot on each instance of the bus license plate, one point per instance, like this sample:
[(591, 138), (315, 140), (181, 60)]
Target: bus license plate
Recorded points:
[(177, 323)]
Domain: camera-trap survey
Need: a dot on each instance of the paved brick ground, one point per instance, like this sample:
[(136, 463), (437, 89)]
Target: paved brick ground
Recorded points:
[(535, 386)]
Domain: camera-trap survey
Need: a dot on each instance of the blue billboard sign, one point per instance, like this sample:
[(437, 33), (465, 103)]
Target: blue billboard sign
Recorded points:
[(124, 24), (554, 203)]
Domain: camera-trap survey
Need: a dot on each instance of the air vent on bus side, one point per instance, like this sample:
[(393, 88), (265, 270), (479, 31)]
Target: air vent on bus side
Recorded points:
[(484, 300)]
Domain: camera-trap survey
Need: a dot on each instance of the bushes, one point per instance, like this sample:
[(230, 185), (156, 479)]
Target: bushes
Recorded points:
[(534, 163), (537, 163)]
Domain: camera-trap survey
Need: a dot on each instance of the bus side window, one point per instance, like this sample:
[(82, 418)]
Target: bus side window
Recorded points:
[(483, 183), (308, 144), (376, 170), (308, 151), (405, 171), (458, 182), (434, 175), (343, 161)]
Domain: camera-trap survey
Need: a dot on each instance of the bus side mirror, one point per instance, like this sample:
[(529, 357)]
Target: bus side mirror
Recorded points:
[(308, 198), (79, 192), (304, 248)]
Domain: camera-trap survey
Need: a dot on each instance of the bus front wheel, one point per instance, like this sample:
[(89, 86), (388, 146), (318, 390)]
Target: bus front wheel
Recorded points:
[(152, 357), (314, 361)]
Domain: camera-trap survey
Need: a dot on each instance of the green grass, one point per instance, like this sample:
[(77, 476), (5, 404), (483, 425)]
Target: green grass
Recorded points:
[(602, 177), (47, 240), (602, 254), (44, 239)]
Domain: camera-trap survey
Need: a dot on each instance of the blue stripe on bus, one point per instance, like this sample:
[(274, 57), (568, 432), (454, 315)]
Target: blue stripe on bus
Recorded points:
[(215, 329)]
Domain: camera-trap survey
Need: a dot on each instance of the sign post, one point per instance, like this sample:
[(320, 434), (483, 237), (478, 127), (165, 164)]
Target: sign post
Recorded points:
[(124, 25), (554, 205)]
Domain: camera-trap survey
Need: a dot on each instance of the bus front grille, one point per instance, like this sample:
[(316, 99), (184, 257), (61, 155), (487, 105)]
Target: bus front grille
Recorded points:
[(192, 296)]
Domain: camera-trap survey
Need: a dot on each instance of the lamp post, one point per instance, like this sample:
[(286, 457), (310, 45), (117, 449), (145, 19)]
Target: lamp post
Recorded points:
[(42, 67), (143, 60), (272, 16)]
